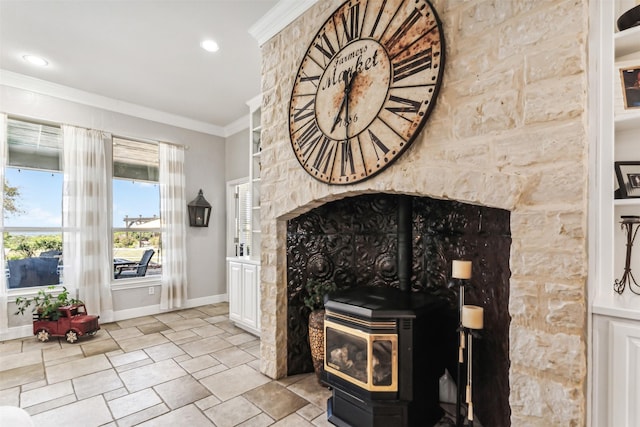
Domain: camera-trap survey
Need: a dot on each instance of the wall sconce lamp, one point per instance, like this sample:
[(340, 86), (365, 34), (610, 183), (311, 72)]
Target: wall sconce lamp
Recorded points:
[(199, 211)]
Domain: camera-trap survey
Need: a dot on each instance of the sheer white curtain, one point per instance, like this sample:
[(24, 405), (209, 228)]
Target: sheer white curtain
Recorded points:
[(4, 321), (86, 241), (173, 216)]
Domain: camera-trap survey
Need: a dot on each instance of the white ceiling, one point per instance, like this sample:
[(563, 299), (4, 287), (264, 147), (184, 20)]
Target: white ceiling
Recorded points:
[(143, 52)]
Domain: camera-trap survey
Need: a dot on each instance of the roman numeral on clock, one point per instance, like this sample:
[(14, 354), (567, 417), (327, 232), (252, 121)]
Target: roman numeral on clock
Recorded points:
[(304, 112), (402, 30), (406, 106), (351, 23), (411, 65), (325, 47)]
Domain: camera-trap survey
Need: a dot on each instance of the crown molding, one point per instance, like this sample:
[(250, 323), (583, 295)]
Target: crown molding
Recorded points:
[(236, 126), (278, 17), (21, 81)]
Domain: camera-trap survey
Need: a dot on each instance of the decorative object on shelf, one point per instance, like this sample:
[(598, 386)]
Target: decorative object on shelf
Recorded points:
[(628, 175), (628, 223), (630, 18), (365, 88), (316, 292), (460, 274), (630, 80), (199, 211)]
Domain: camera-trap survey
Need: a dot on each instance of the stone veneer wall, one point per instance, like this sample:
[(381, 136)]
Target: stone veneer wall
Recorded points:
[(508, 131)]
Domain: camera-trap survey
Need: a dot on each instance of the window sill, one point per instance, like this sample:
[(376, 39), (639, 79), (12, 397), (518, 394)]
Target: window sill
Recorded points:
[(135, 283)]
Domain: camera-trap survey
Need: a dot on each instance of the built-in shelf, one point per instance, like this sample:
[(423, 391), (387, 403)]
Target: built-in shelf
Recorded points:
[(627, 41), (628, 121), (627, 202)]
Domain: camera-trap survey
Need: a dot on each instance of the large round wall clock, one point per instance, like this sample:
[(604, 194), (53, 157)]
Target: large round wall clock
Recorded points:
[(365, 88)]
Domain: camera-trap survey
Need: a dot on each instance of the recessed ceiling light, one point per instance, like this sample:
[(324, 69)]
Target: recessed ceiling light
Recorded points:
[(35, 60), (210, 45)]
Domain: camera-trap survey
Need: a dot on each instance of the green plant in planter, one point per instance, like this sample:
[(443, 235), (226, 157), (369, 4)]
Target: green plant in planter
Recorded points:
[(45, 303), (316, 291)]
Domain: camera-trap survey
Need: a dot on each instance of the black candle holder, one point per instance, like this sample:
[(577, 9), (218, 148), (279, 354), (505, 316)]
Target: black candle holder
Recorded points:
[(462, 334), (628, 223)]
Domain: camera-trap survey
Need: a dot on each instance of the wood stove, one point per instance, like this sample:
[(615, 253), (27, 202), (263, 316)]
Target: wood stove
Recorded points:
[(385, 350)]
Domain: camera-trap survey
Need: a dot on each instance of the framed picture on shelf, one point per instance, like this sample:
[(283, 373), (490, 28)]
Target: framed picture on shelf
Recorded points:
[(628, 175), (630, 79)]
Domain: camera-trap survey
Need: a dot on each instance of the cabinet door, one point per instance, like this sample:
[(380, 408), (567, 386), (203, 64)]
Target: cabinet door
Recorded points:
[(234, 280), (249, 295), (625, 374)]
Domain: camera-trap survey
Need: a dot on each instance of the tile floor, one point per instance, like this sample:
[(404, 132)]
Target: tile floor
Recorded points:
[(185, 368)]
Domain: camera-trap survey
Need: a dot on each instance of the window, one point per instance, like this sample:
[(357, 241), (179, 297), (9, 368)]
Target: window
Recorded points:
[(136, 209), (33, 227)]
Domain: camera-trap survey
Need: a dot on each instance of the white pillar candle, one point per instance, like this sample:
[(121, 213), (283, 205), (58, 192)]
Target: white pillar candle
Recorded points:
[(472, 317), (461, 269)]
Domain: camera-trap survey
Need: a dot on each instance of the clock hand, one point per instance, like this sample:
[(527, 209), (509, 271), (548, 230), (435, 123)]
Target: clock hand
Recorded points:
[(336, 119), (347, 91)]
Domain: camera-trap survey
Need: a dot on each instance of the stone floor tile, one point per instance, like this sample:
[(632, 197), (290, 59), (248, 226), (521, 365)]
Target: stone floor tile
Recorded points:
[(255, 364), (163, 351), (233, 382), (293, 420), (321, 421), (114, 394), (10, 397), (199, 363), (90, 412), (228, 326), (181, 392), (209, 371), (182, 358), (125, 358), (111, 326), (151, 375), (260, 420), (204, 346), (181, 337), (126, 333), (152, 328), (309, 412), (134, 402), (192, 313), (77, 368), (217, 319), (136, 321), (10, 347), (19, 360), (97, 383), (52, 354), (23, 375), (232, 412), (186, 416), (309, 389), (181, 325), (137, 343), (168, 317), (51, 404), (275, 400), (207, 331), (36, 384), (133, 365), (42, 394), (144, 415), (32, 344), (233, 356), (99, 347), (207, 402), (241, 338), (216, 309)]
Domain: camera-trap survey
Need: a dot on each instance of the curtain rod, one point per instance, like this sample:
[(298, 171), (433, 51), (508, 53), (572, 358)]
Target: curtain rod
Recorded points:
[(51, 123)]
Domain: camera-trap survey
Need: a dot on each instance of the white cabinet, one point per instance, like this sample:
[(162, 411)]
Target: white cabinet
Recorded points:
[(244, 295), (615, 332)]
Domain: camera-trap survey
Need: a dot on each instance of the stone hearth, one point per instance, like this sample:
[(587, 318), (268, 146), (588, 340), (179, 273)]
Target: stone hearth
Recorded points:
[(508, 131)]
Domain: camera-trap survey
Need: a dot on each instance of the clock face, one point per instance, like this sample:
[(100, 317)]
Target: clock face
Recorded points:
[(365, 88)]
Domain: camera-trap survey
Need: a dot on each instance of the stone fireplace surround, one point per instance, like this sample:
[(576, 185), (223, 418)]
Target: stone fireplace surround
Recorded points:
[(507, 132)]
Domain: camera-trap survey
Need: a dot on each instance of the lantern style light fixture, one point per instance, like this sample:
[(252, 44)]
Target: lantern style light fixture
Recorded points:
[(199, 211)]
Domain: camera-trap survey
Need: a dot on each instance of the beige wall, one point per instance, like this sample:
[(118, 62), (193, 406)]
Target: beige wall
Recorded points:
[(508, 131)]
